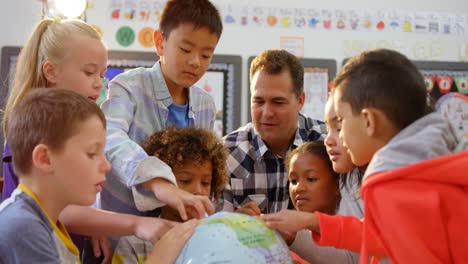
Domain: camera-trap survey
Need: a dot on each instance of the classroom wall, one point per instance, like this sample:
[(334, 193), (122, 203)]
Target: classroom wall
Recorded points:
[(19, 16)]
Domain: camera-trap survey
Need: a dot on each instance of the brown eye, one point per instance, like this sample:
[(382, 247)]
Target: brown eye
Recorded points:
[(185, 182)]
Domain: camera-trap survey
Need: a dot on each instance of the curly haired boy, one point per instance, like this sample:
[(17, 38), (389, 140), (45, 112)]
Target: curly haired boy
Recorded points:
[(198, 159)]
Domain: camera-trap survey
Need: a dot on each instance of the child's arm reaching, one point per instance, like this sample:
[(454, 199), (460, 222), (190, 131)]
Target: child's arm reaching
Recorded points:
[(291, 221), (93, 222), (180, 199), (167, 249), (327, 230)]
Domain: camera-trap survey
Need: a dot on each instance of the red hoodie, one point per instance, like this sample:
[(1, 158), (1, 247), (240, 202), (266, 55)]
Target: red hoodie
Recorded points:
[(414, 214)]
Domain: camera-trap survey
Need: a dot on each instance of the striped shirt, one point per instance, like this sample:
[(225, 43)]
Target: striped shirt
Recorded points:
[(132, 250), (256, 173), (137, 106)]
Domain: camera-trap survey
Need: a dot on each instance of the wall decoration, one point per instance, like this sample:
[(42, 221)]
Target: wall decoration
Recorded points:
[(125, 36), (243, 14), (144, 10), (313, 16), (294, 45), (300, 17), (454, 107), (449, 81), (272, 17), (257, 17), (213, 82), (156, 11), (316, 92), (130, 9), (286, 17), (462, 84), (145, 37), (116, 7)]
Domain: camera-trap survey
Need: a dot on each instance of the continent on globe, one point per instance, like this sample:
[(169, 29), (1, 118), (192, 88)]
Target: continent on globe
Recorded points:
[(234, 238)]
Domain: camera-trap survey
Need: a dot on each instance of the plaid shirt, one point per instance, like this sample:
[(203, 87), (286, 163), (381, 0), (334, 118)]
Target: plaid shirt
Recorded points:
[(256, 173), (132, 250), (137, 106)]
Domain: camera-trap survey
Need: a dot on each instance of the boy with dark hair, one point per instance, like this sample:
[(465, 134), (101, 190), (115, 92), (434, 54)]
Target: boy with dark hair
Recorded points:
[(198, 159), (198, 147), (416, 170), (146, 100)]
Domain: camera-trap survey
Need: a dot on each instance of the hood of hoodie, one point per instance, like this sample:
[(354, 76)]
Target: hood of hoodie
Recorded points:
[(429, 137)]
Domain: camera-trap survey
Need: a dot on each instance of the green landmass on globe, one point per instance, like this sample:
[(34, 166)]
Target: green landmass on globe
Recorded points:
[(234, 238)]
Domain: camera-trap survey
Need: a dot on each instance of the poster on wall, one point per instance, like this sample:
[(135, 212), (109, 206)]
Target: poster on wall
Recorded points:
[(294, 45), (447, 86), (9, 59), (213, 83), (454, 107), (316, 92)]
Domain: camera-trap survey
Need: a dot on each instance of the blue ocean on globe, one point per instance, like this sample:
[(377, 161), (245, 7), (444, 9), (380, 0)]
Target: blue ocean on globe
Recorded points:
[(234, 238)]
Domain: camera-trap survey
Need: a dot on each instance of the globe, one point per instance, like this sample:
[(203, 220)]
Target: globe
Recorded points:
[(234, 238)]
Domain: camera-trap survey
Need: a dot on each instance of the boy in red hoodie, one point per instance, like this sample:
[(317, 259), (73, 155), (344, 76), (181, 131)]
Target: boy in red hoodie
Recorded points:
[(415, 188)]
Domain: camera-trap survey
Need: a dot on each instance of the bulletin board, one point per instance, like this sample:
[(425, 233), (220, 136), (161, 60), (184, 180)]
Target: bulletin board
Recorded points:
[(447, 84), (442, 77), (7, 71), (9, 59), (317, 74)]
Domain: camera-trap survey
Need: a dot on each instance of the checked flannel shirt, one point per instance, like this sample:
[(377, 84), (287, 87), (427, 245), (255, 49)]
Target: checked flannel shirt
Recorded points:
[(256, 173)]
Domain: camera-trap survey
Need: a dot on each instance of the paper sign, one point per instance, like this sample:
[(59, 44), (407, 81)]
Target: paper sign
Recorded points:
[(294, 45)]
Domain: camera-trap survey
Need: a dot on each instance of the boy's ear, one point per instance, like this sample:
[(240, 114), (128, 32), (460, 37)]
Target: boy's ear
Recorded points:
[(369, 116), (50, 71), (159, 42), (41, 158)]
